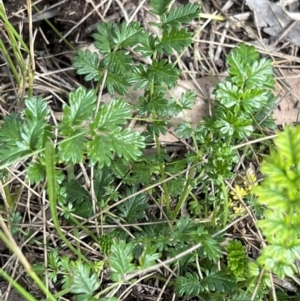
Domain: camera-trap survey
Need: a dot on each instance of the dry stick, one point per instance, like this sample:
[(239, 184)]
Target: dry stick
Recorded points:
[(45, 238), (285, 32), (136, 11), (81, 21), (31, 67), (12, 245)]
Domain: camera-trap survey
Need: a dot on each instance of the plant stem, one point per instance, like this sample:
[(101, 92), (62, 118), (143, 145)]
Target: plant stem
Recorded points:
[(50, 173), (17, 286), (11, 244)]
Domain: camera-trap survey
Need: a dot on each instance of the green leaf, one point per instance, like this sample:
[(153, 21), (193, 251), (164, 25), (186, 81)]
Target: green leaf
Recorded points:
[(100, 151), (163, 72), (15, 219), (247, 71), (82, 282), (19, 138), (157, 128), (87, 63), (110, 116), (185, 226), (36, 109), (179, 15), (118, 62), (120, 260), (148, 257), (104, 37), (159, 7), (80, 109), (134, 208), (81, 106), (141, 76), (187, 100), (103, 177), (262, 75), (288, 147), (36, 171), (254, 99), (108, 136), (176, 186), (244, 53), (147, 44), (279, 193), (128, 34), (211, 248), (175, 39), (118, 82), (33, 134), (184, 130), (220, 281), (73, 149), (127, 144), (75, 193), (141, 173), (228, 94), (157, 103), (11, 129), (236, 258), (188, 285)]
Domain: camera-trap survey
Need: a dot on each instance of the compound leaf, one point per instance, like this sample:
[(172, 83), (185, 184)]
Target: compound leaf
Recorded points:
[(127, 144), (81, 106), (104, 37), (188, 285), (159, 7), (36, 109), (110, 116), (73, 148), (118, 82), (81, 280), (174, 39), (220, 281), (179, 15), (100, 151), (262, 75), (134, 208), (120, 260), (128, 35), (87, 63), (164, 72), (118, 61)]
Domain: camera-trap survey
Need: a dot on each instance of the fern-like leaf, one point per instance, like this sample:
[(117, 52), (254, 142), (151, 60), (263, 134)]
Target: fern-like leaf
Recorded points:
[(82, 282), (134, 208), (179, 15), (279, 193), (188, 285), (159, 7), (236, 258), (120, 260), (175, 39), (87, 63)]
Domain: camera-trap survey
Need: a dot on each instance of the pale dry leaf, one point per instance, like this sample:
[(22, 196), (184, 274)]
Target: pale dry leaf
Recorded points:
[(272, 18), (288, 107)]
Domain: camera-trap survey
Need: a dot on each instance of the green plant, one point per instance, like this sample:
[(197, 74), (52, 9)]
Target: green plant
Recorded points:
[(20, 69), (279, 193), (123, 181)]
